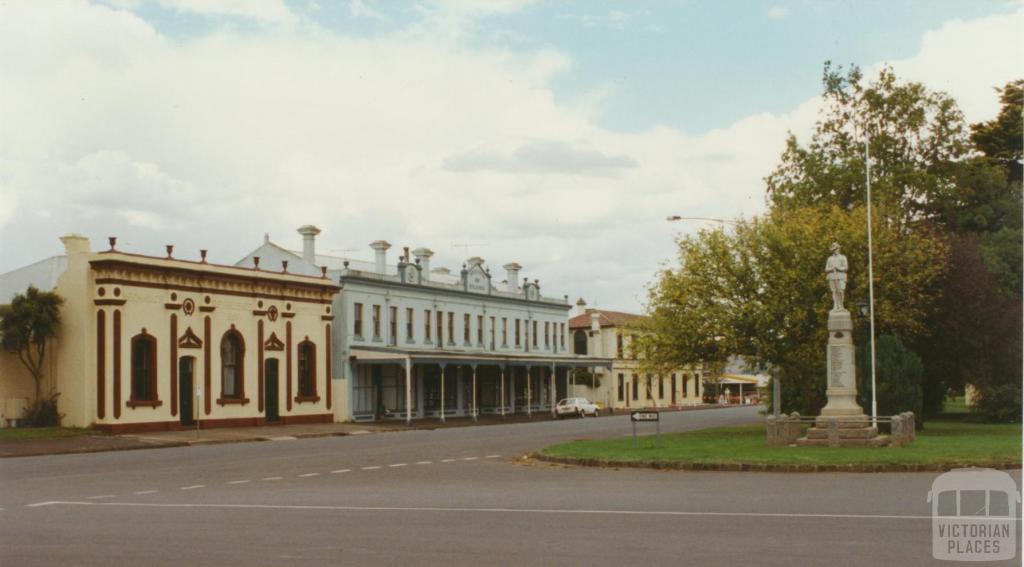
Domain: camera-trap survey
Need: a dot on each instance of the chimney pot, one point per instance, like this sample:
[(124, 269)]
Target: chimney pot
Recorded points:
[(284, 266), (170, 250), (380, 252), (113, 242), (256, 262), (202, 255), (423, 259), (309, 233)]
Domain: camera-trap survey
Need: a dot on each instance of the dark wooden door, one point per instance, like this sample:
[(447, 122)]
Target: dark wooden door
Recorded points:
[(270, 389), (186, 386)]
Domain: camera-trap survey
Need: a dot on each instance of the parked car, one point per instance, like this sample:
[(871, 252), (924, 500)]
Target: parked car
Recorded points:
[(575, 406)]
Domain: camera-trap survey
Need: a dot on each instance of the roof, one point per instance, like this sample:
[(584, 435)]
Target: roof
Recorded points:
[(605, 319), (42, 274)]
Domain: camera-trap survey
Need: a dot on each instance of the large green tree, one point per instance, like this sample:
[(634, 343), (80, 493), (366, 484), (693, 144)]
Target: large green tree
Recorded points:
[(26, 326)]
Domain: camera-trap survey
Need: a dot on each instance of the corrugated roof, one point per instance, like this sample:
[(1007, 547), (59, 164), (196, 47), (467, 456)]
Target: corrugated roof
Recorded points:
[(42, 274), (605, 319)]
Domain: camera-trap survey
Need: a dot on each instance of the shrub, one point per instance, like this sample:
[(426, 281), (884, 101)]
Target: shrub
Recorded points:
[(43, 412), (999, 403)]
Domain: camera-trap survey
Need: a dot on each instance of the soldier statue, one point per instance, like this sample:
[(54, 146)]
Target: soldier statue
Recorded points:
[(835, 272)]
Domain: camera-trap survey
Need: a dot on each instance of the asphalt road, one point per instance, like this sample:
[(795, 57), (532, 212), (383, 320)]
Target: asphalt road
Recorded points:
[(451, 496)]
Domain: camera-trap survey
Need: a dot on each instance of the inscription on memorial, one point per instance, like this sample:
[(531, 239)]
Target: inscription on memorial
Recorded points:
[(837, 367)]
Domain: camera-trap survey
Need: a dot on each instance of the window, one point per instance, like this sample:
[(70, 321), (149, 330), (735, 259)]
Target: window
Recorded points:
[(661, 387), (232, 366), (376, 321), (357, 320), (479, 329), (307, 373), (517, 333), (440, 328), (561, 334), (451, 327), (686, 380), (393, 325), (426, 325), (465, 328), (504, 331), (648, 388), (493, 320), (143, 371), (636, 388), (696, 385), (547, 334), (534, 334), (618, 345), (410, 315), (579, 344), (622, 387), (674, 388)]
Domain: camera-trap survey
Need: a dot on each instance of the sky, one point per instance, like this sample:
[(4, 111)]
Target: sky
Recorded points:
[(558, 135)]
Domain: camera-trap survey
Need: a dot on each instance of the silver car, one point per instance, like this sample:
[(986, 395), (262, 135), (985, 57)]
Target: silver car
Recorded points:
[(575, 406)]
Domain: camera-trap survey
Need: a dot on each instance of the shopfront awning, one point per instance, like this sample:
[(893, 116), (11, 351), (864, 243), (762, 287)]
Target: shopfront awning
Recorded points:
[(380, 355)]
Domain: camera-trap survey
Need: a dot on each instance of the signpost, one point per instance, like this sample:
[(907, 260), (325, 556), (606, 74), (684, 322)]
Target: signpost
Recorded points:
[(646, 415)]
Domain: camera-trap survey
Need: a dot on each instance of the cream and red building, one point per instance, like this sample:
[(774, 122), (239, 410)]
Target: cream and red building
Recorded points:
[(153, 343)]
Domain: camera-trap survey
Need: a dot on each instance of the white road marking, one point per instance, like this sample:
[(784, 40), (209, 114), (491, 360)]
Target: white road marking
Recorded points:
[(424, 462), (141, 492), (680, 513), (282, 438), (359, 432), (339, 471), (309, 474), (492, 456), (470, 458), (238, 481), (272, 478), (193, 487), (396, 465), (101, 496), (41, 504), (370, 468), (448, 460)]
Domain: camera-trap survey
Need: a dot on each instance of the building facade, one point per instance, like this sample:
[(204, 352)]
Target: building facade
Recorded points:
[(603, 333)]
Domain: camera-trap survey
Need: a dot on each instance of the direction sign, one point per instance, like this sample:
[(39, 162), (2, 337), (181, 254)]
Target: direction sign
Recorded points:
[(645, 416)]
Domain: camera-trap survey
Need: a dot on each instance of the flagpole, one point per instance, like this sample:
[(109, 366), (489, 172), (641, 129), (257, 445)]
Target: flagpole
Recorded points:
[(871, 286)]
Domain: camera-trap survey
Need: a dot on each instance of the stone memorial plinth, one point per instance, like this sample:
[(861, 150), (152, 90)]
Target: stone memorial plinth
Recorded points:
[(842, 422)]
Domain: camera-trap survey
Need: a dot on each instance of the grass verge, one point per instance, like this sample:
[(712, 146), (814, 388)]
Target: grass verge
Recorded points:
[(943, 442), (23, 433)]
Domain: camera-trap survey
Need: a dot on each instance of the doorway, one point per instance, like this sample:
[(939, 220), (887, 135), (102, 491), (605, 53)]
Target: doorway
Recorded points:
[(270, 390), (186, 389)]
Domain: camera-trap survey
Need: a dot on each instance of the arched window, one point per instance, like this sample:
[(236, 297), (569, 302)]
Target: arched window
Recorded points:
[(232, 366), (143, 371), (579, 342), (307, 372)]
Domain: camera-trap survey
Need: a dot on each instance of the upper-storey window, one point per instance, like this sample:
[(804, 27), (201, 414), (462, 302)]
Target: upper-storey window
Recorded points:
[(357, 319), (618, 345), (451, 327), (393, 325), (493, 320), (561, 335), (534, 334), (376, 321), (547, 335), (410, 315), (504, 332), (465, 328), (517, 333), (143, 368), (440, 329), (579, 342), (479, 329), (426, 325)]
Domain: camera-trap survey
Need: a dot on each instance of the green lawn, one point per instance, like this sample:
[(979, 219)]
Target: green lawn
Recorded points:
[(948, 441), (18, 433)]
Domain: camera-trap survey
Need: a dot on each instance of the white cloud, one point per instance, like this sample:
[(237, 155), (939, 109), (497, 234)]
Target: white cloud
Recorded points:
[(267, 11), (112, 129), (614, 19)]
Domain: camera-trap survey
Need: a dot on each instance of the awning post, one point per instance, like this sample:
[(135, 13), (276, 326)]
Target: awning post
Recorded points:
[(473, 404), (443, 366), (408, 390)]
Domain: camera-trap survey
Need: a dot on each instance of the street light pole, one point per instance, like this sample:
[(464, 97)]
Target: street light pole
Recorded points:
[(871, 285)]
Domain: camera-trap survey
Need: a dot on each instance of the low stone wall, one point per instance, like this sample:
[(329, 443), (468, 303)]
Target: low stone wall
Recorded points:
[(784, 430), (903, 429)]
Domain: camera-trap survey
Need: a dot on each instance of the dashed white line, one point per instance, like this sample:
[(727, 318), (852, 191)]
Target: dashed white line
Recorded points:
[(141, 492), (272, 478), (238, 481), (469, 458), (193, 487), (492, 456), (448, 460), (370, 468), (47, 503), (309, 474), (424, 462), (282, 438), (339, 471), (396, 465), (100, 496)]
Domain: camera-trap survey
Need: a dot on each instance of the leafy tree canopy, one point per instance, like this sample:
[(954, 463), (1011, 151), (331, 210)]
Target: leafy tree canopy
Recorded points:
[(27, 324)]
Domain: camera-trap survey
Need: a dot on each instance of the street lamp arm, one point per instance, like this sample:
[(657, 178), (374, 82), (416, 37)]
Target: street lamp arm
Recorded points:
[(674, 218)]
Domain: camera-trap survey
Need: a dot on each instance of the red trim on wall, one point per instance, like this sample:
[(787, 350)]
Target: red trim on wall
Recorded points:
[(117, 363), (174, 364), (239, 397), (208, 394), (327, 363), (288, 363), (133, 400), (101, 364), (259, 365)]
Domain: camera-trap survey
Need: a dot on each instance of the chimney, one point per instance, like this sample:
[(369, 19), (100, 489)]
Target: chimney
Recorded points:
[(75, 243), (423, 255), (475, 261), (309, 233), (581, 307), (380, 250), (595, 321), (512, 272)]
